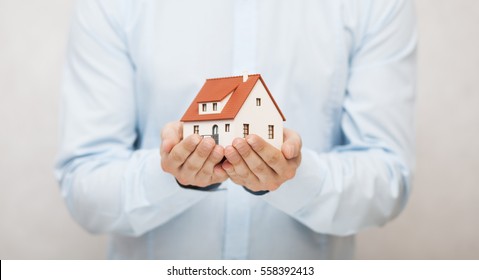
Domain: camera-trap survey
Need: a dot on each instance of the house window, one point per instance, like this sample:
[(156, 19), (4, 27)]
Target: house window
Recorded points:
[(270, 131), (196, 129), (258, 101), (227, 127), (245, 130), (203, 107), (215, 106)]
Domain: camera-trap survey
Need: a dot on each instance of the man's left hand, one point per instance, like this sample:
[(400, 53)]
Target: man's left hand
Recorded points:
[(258, 166)]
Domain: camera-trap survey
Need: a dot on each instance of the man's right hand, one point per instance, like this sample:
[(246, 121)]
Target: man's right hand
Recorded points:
[(192, 161)]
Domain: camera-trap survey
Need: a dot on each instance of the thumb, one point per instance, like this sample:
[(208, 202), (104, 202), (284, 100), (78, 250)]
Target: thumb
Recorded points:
[(170, 136), (292, 144)]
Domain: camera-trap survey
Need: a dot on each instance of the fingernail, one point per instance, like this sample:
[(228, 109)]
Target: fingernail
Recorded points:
[(237, 141), (241, 147), (288, 151), (217, 155), (226, 165), (251, 141), (210, 143), (165, 147), (196, 139), (232, 156), (291, 151)]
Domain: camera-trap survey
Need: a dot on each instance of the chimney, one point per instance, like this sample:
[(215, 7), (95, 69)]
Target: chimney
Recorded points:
[(245, 77)]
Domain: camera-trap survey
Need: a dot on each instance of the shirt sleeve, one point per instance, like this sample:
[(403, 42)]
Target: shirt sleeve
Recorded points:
[(366, 181), (108, 184)]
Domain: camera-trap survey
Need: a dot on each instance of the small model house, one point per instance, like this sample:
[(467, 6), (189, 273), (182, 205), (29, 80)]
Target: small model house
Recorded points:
[(232, 107)]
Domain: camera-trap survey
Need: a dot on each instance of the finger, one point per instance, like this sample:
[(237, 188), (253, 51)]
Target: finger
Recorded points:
[(230, 171), (219, 174), (181, 151), (254, 162), (292, 144), (197, 159), (172, 130), (171, 135), (270, 155), (228, 167), (206, 172), (240, 168), (235, 178)]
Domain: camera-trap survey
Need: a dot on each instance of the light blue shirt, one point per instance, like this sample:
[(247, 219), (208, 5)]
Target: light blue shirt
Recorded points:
[(342, 72)]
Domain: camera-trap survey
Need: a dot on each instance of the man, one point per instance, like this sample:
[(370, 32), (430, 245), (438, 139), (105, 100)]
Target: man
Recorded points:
[(342, 72)]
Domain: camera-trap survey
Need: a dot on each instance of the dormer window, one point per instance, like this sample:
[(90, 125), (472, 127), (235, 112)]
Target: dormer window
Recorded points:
[(215, 106), (258, 101)]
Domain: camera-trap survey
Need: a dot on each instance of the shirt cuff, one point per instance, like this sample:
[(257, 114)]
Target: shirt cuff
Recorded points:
[(161, 188), (191, 187), (298, 192), (259, 193)]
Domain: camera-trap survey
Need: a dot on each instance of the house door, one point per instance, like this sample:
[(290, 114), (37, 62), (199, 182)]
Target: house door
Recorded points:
[(215, 134)]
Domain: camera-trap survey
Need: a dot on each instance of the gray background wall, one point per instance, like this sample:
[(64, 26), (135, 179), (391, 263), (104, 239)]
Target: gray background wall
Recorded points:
[(441, 220)]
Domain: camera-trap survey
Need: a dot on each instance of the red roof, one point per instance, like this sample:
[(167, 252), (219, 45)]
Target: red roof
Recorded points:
[(215, 90)]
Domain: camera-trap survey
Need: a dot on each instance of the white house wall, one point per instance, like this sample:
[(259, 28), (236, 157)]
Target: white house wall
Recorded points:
[(259, 117), (206, 128)]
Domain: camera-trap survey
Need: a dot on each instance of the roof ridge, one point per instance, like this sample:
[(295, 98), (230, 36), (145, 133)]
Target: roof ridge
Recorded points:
[(230, 77)]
